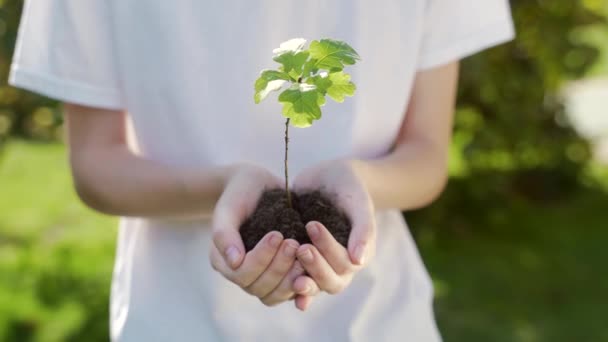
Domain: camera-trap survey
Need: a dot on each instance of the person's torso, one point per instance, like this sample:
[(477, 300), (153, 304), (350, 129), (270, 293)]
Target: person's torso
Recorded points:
[(188, 69)]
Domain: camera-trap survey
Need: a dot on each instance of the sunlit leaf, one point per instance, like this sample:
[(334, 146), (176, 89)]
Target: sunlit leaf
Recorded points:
[(313, 73), (269, 81), (292, 63), (341, 86), (332, 54), (292, 45), (302, 104)]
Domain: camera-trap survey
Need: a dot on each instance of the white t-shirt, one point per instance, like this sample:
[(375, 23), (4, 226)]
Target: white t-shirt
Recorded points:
[(185, 70)]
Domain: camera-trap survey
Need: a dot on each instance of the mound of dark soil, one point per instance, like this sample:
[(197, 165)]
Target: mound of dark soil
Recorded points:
[(273, 213)]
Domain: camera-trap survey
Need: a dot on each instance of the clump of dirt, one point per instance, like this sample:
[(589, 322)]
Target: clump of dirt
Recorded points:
[(273, 213)]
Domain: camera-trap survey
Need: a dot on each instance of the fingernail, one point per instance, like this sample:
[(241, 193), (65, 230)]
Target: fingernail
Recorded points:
[(307, 289), (306, 256), (313, 230), (290, 249), (233, 254), (359, 254), (275, 240)]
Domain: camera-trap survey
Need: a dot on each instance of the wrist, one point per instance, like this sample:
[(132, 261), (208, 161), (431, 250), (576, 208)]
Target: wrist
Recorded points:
[(227, 172), (244, 170), (366, 171), (362, 169)]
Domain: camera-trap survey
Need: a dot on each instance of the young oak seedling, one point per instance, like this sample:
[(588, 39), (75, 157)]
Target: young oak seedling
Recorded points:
[(306, 77)]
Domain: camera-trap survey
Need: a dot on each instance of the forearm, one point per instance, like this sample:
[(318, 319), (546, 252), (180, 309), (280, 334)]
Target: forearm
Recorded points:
[(115, 181), (411, 176), (414, 173)]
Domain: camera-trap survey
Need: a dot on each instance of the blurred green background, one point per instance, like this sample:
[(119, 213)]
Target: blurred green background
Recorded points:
[(516, 245)]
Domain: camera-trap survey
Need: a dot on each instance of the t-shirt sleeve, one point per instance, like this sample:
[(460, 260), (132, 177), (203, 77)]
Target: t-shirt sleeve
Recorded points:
[(65, 50), (454, 29)]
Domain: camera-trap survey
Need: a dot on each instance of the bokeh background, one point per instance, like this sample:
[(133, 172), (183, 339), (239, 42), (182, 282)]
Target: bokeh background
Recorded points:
[(517, 244)]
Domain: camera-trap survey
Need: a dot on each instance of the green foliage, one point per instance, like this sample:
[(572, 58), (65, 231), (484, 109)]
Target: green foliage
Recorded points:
[(511, 110), (312, 73), (292, 63), (530, 273), (55, 255), (512, 137), (332, 54), (22, 113), (339, 86), (269, 81), (302, 104)]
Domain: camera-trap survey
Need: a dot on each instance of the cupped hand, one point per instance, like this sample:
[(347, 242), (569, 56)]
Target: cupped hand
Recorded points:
[(269, 270), (329, 265)]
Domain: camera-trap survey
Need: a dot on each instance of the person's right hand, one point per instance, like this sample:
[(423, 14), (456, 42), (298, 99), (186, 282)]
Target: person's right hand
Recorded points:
[(267, 271)]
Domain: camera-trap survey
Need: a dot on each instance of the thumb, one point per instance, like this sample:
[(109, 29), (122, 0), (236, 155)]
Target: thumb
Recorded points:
[(227, 239)]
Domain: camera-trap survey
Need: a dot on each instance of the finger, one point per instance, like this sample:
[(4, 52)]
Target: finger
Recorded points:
[(217, 261), (258, 259), (335, 254), (280, 265), (361, 242), (284, 291), (319, 270), (303, 302), (306, 286), (219, 264), (226, 237)]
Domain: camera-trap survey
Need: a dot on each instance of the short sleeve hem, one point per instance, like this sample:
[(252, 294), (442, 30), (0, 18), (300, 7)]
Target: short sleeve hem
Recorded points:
[(495, 34), (65, 90)]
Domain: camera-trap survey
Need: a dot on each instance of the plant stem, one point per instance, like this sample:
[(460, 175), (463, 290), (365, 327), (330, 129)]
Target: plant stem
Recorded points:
[(286, 160)]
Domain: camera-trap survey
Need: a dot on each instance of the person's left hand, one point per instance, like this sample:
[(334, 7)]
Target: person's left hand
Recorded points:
[(329, 265)]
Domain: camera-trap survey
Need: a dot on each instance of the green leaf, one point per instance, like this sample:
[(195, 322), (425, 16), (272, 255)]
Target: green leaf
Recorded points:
[(336, 85), (296, 120), (309, 68), (302, 104), (322, 82), (292, 45), (341, 86), (315, 73), (292, 63), (269, 80), (332, 54)]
